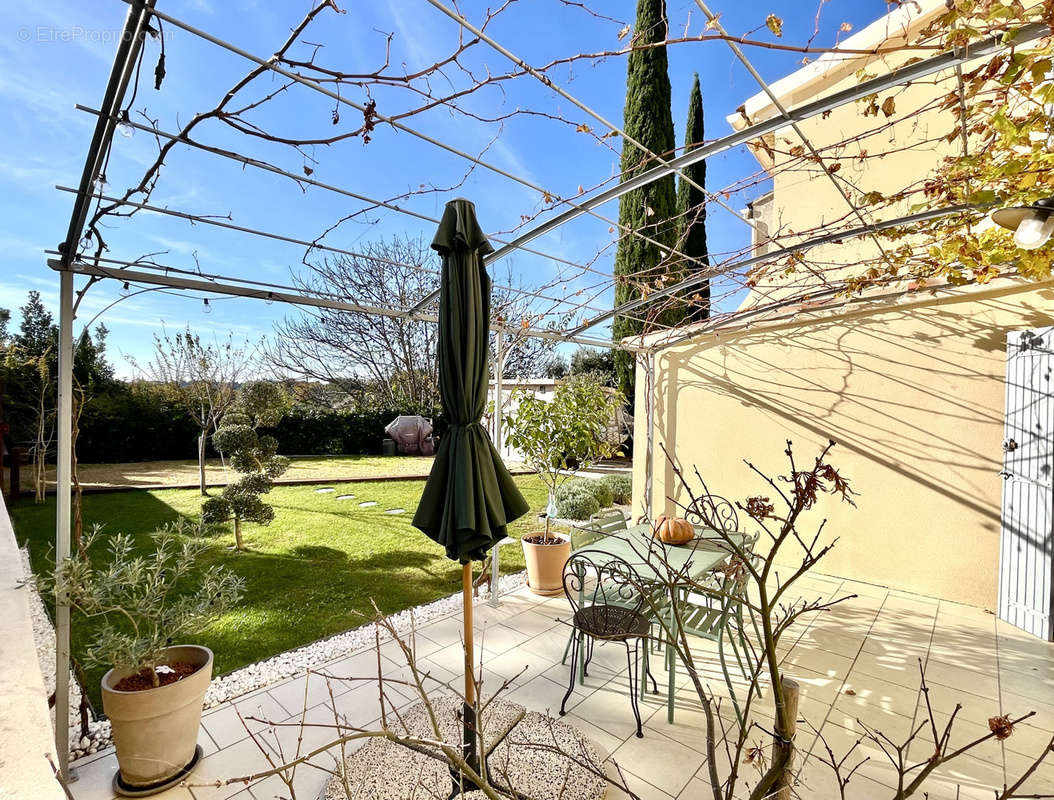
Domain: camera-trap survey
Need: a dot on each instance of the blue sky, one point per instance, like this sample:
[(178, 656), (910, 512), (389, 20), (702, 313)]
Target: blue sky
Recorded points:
[(55, 53)]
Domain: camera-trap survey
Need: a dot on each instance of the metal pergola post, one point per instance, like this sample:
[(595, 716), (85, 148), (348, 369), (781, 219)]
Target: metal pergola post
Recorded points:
[(120, 74), (64, 481), (649, 459), (499, 369), (496, 438)]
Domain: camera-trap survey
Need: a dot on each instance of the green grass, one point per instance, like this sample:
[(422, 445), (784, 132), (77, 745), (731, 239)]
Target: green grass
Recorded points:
[(310, 574), (185, 473)]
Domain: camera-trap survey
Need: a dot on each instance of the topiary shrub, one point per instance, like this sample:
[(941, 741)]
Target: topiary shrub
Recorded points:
[(254, 456), (621, 487), (576, 503)]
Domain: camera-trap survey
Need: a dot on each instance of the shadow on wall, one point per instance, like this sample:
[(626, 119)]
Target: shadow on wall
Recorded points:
[(914, 397)]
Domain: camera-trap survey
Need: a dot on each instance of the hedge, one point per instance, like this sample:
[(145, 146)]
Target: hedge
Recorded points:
[(128, 426)]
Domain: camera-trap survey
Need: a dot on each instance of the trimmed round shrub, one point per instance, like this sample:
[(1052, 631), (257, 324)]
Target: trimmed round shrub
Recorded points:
[(576, 504), (572, 487), (594, 487), (621, 487)]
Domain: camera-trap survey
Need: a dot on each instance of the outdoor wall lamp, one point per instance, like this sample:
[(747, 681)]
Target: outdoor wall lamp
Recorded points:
[(1032, 225)]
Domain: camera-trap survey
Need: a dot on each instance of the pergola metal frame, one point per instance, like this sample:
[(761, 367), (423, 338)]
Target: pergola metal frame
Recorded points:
[(68, 264)]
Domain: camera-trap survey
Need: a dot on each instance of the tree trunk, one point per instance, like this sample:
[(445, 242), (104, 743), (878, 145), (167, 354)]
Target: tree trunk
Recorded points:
[(238, 543), (201, 463), (784, 784)]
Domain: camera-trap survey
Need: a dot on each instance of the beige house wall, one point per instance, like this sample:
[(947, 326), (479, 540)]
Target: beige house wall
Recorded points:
[(914, 397), (913, 394)]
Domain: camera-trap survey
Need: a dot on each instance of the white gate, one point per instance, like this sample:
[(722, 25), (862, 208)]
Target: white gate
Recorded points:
[(1025, 560)]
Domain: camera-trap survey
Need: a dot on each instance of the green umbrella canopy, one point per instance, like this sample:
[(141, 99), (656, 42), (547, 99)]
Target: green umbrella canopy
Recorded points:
[(470, 496)]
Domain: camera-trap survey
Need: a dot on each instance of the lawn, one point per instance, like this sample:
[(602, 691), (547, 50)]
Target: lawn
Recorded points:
[(310, 574), (185, 473)]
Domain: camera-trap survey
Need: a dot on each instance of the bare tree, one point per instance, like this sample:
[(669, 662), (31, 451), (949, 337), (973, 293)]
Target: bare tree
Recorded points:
[(202, 376), (388, 361)]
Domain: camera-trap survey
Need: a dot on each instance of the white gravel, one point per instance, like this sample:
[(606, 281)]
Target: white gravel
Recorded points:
[(249, 678)]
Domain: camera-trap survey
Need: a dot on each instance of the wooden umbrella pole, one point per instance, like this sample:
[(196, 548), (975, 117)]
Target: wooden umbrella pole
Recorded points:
[(466, 590), (471, 756)]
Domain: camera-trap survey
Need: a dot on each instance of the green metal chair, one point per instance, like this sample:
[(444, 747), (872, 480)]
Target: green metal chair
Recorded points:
[(598, 526), (716, 614)]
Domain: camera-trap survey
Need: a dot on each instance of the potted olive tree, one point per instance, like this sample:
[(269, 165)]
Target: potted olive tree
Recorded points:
[(556, 437), (148, 603)]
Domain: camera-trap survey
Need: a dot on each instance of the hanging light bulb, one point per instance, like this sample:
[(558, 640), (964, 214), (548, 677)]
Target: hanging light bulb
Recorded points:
[(126, 289), (124, 127), (1034, 231), (1032, 225), (86, 241), (206, 308), (270, 298)]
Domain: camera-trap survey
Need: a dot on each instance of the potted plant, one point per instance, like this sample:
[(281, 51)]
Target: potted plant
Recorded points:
[(154, 689), (556, 437)]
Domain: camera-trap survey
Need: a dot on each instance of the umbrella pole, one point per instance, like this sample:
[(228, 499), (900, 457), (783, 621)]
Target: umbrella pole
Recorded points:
[(470, 737)]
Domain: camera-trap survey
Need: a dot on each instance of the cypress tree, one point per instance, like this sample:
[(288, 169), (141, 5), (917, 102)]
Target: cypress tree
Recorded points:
[(651, 209), (691, 208)]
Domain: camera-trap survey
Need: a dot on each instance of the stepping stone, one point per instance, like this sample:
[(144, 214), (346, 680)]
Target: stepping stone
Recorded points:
[(324, 491), (367, 503), (345, 497), (537, 772), (395, 511)]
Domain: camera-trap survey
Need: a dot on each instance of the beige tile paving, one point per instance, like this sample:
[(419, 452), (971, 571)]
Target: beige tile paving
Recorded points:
[(858, 665)]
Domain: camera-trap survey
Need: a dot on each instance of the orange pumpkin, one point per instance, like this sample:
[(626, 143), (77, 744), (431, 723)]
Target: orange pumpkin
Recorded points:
[(673, 530)]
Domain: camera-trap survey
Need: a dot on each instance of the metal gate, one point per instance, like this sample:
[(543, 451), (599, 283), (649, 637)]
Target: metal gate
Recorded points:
[(1025, 560)]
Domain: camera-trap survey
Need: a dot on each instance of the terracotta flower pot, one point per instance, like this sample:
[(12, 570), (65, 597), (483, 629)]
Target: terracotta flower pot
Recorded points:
[(545, 563), (155, 730)]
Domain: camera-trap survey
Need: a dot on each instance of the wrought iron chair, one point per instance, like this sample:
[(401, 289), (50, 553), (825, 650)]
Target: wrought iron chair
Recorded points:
[(712, 515), (605, 596), (598, 526)]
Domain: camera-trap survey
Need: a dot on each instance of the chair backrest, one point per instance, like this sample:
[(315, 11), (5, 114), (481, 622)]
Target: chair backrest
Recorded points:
[(598, 526), (593, 577), (733, 574), (713, 511)]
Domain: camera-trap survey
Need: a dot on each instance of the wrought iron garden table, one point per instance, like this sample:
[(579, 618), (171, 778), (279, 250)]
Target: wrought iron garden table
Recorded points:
[(658, 563)]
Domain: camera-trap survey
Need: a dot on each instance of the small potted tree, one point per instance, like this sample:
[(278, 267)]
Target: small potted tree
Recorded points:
[(154, 690), (556, 437), (261, 403)]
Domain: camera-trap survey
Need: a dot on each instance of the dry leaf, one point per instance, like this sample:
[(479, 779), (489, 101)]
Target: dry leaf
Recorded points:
[(889, 106), (624, 32), (1002, 727), (774, 24)]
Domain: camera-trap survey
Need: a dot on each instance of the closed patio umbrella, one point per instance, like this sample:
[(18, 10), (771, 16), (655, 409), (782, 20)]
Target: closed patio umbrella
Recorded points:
[(470, 497)]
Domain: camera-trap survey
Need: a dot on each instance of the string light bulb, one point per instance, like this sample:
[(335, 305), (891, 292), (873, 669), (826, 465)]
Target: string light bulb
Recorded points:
[(1032, 225), (124, 126), (126, 289), (206, 308), (270, 298)]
